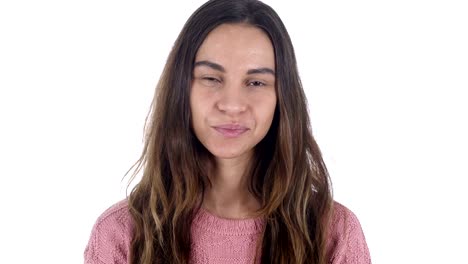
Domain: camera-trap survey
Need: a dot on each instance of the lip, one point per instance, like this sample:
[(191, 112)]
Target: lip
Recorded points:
[(231, 130)]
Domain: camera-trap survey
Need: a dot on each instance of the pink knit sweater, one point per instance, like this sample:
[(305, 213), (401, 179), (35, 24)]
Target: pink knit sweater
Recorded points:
[(219, 240)]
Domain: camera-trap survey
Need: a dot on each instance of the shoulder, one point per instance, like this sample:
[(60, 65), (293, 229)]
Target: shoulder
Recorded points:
[(111, 236), (346, 241)]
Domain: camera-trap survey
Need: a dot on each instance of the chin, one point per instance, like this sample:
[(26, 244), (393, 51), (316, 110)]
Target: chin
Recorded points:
[(225, 155), (231, 154)]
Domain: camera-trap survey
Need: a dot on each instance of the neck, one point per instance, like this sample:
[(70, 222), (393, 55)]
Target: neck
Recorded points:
[(228, 197)]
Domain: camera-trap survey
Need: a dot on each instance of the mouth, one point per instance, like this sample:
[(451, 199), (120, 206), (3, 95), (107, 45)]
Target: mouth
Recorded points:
[(231, 131)]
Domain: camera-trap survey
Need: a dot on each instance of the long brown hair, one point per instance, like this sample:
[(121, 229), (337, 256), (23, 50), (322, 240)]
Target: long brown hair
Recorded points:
[(288, 175)]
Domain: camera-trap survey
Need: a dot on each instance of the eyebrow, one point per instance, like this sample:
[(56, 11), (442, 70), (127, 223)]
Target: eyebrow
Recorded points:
[(214, 66), (217, 67)]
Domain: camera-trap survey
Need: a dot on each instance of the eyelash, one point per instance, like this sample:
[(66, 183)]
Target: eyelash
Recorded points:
[(211, 79), (250, 83), (258, 82), (216, 81)]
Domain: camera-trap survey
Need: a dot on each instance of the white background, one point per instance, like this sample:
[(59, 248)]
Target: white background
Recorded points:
[(386, 83)]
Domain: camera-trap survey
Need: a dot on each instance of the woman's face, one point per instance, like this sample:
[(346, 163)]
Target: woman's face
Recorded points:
[(233, 95)]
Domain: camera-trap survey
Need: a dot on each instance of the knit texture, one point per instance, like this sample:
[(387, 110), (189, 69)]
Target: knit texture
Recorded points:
[(220, 240)]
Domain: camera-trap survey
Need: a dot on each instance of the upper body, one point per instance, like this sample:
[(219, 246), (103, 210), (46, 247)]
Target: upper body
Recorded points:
[(220, 240), (229, 131)]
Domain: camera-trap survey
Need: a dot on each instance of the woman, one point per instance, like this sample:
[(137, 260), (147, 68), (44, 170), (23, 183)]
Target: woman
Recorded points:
[(231, 172)]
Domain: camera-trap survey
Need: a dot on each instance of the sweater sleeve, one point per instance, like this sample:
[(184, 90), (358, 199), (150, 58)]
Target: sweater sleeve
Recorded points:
[(347, 244), (110, 237)]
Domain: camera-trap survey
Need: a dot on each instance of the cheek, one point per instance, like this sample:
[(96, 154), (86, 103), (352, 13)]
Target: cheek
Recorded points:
[(198, 109), (265, 113), (195, 112), (268, 107), (194, 101)]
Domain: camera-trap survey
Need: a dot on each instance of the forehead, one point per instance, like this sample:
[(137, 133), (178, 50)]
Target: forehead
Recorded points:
[(237, 43)]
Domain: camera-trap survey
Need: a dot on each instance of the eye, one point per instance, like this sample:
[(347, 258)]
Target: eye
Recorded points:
[(256, 83), (210, 81)]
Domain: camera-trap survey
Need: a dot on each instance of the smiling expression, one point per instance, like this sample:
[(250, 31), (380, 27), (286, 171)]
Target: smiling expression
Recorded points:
[(233, 96)]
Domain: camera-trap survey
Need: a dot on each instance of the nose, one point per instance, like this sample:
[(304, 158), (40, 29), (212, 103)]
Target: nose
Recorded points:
[(232, 100)]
